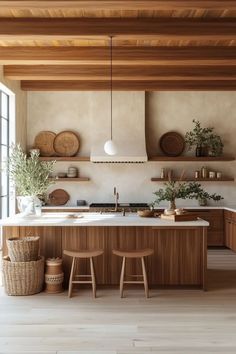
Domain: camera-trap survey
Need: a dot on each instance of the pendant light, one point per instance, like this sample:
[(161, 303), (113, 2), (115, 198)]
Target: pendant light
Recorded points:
[(109, 146)]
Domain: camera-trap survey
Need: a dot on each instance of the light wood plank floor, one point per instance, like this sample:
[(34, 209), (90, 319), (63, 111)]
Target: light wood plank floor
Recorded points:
[(170, 322)]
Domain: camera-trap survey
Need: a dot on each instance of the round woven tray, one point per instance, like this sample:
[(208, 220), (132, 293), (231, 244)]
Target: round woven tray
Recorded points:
[(66, 144), (23, 278), (44, 142), (172, 144)]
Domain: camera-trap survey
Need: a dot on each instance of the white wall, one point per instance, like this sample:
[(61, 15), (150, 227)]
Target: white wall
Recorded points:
[(165, 111)]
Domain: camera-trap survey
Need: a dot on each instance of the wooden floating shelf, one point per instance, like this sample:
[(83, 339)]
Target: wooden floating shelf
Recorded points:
[(65, 158), (68, 179), (152, 159), (189, 179), (192, 158)]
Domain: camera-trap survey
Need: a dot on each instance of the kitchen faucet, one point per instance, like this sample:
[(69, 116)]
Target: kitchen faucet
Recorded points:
[(116, 194)]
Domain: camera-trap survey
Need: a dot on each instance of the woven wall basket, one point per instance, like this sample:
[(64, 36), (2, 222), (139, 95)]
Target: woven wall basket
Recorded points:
[(24, 249), (23, 278)]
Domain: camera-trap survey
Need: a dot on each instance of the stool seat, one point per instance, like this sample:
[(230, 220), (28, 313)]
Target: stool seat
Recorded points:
[(140, 254), (134, 253), (84, 253), (74, 278)]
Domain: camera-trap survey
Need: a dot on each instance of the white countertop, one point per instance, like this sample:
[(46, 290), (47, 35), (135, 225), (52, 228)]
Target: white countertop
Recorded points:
[(63, 207), (86, 207), (95, 219)]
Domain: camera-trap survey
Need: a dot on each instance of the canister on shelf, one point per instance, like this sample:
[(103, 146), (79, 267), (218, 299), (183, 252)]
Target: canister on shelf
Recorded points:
[(219, 175), (212, 174), (197, 174), (170, 175), (163, 173), (72, 172), (204, 172)]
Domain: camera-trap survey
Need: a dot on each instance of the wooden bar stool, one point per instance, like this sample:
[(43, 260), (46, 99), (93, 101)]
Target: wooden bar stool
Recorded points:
[(133, 254), (76, 255)]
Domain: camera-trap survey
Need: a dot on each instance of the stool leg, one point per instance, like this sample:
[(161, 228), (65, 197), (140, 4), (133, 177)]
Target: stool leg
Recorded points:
[(93, 277), (122, 274), (145, 282), (71, 277)]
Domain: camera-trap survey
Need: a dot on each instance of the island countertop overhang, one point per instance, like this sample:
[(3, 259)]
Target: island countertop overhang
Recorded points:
[(97, 219)]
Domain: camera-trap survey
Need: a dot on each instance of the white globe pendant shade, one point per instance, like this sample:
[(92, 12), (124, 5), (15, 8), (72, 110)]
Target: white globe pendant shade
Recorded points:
[(110, 147)]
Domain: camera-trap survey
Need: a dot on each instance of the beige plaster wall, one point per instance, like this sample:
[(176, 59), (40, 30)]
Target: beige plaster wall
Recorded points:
[(165, 111), (21, 108)]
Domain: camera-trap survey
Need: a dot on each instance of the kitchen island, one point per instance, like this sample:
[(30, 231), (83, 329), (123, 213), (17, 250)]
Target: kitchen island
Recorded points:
[(180, 248)]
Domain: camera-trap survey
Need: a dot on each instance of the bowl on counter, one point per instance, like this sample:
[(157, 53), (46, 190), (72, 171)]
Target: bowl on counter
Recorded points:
[(147, 213)]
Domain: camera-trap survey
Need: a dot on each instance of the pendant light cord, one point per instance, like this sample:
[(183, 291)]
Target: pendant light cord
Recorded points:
[(111, 80)]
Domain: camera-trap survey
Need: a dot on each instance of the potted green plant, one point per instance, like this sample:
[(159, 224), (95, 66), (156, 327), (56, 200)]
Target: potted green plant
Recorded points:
[(30, 177), (204, 140), (181, 190)]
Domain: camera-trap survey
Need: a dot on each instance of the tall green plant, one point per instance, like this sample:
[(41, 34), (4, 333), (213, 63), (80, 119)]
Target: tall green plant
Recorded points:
[(29, 175)]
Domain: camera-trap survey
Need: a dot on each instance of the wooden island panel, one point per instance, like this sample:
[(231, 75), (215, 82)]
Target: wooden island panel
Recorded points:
[(179, 254), (179, 257)]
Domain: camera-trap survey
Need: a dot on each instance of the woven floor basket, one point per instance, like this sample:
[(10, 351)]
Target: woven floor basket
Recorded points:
[(24, 249), (23, 278)]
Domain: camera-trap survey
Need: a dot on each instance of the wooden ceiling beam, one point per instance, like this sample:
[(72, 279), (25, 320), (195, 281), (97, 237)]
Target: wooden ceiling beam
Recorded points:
[(71, 28), (118, 5), (120, 73), (204, 85), (121, 55)]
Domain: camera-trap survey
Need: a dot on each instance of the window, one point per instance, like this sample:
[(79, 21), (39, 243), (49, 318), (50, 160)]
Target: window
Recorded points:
[(6, 138), (4, 147)]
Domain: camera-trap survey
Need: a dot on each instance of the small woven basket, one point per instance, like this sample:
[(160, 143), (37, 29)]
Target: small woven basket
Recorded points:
[(23, 278), (24, 249)]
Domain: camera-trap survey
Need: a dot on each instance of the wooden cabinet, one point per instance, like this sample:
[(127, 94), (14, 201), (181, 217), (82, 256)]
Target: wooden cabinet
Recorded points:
[(215, 217), (230, 229)]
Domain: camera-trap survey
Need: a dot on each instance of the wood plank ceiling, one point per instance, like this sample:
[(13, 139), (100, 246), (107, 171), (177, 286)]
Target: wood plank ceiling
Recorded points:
[(158, 45)]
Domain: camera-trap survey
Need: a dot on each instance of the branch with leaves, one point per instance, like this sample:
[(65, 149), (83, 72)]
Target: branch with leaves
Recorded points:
[(181, 190)]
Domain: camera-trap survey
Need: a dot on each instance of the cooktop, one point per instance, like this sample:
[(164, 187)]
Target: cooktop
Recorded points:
[(120, 205)]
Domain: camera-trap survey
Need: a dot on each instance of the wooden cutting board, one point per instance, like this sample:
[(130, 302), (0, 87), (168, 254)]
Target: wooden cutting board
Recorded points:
[(58, 197), (183, 217)]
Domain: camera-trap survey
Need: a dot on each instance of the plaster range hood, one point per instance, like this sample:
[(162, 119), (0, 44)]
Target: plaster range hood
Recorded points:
[(128, 129)]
